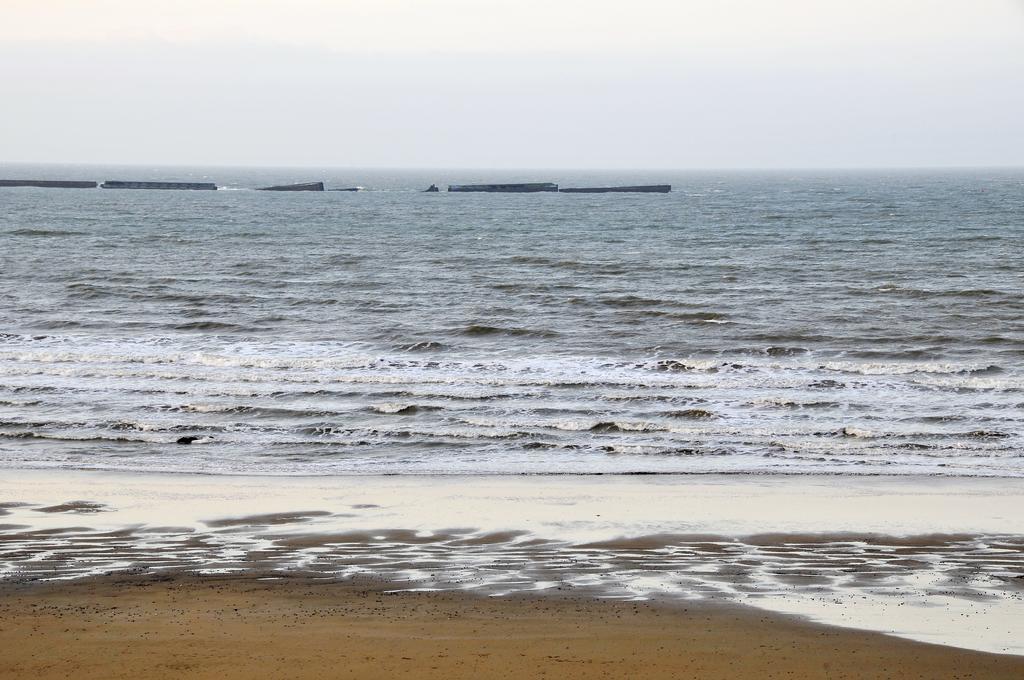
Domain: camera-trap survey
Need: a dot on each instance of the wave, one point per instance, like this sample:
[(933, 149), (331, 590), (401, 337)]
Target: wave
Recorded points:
[(114, 426), (862, 433), (690, 365), (909, 367), (403, 409), (291, 406), (255, 411), (565, 432), (693, 413), (631, 301), (792, 403), (614, 426), (213, 326), (20, 389), (909, 292), (786, 351), (531, 259), (769, 360), (45, 232), (424, 346), (87, 291), (987, 434), (707, 317), (476, 330), (71, 438)]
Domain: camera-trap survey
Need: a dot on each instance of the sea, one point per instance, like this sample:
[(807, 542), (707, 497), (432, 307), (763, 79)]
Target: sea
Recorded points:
[(784, 322)]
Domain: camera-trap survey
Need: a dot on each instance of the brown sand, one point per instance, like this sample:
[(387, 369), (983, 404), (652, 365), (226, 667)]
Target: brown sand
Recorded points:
[(243, 627)]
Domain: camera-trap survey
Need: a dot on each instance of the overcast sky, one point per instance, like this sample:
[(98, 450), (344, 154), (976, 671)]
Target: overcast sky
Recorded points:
[(514, 83)]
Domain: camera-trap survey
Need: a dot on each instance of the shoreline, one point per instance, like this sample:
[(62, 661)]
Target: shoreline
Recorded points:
[(181, 625), (849, 499), (923, 559), (697, 474)]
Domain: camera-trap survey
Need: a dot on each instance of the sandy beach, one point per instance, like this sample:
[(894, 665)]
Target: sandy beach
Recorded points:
[(243, 627), (929, 561)]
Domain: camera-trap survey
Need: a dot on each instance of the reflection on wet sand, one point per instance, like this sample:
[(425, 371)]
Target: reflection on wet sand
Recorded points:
[(814, 566)]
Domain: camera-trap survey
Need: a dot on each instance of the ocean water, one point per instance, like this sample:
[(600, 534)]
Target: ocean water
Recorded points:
[(788, 323)]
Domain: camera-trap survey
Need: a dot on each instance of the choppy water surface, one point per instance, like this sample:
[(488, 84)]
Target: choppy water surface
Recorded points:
[(788, 323)]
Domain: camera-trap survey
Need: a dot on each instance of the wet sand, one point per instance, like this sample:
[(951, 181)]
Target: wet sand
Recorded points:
[(184, 626), (936, 561)]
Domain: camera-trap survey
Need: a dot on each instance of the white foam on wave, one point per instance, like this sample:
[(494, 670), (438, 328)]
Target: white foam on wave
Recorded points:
[(513, 414), (904, 367)]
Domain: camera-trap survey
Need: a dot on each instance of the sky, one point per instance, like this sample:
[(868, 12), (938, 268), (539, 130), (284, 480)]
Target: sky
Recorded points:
[(658, 84)]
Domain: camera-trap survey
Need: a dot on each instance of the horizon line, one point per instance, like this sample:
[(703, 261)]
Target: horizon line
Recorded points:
[(471, 168)]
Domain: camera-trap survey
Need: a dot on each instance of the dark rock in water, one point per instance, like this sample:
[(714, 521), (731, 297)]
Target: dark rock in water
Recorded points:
[(348, 189), (187, 440), (304, 186), (432, 189)]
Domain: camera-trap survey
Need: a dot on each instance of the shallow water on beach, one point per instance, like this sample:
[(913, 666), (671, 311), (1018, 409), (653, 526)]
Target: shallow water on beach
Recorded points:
[(939, 561), (801, 323)]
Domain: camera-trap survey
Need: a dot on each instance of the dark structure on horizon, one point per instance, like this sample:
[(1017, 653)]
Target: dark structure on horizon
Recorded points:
[(120, 184), (526, 188), (48, 183), (304, 186), (506, 188), (639, 189)]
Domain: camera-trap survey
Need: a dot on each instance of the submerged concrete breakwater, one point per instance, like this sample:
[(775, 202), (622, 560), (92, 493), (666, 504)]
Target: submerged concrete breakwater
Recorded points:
[(536, 187), (304, 186), (508, 188), (48, 183), (523, 188), (640, 189), (121, 184)]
